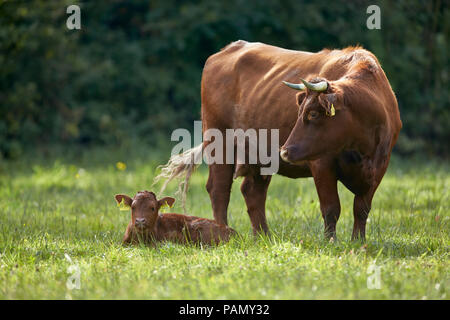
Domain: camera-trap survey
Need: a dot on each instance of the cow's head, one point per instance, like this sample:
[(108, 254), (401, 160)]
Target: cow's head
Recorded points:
[(144, 208), (322, 122)]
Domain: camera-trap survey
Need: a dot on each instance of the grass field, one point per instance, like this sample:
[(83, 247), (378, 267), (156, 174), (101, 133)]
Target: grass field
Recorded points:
[(50, 209)]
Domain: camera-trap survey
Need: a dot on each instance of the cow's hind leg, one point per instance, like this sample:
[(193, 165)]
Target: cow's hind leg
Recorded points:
[(254, 189), (219, 188)]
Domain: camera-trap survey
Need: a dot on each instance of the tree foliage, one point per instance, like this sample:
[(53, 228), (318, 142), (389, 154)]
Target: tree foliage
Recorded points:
[(133, 71)]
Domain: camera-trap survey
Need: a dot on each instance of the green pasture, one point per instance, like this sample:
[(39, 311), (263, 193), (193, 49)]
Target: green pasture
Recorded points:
[(52, 209)]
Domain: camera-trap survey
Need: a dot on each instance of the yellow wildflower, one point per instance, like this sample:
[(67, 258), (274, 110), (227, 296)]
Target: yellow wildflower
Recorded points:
[(121, 166)]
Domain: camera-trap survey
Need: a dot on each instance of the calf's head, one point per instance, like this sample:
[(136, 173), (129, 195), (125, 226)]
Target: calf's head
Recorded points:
[(322, 124), (144, 208)]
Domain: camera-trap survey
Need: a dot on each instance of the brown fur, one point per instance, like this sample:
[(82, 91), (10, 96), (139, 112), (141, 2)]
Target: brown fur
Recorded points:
[(169, 226)]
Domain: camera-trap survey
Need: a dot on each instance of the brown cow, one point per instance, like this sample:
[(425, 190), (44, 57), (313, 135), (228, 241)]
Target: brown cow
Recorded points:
[(149, 225), (340, 126)]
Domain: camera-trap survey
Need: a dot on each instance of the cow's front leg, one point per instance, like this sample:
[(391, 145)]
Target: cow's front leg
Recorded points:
[(254, 189), (361, 209), (326, 185)]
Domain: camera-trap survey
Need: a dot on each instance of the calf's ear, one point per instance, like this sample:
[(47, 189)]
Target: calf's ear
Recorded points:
[(123, 201), (166, 201)]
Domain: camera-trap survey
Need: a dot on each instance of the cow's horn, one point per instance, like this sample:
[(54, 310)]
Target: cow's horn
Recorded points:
[(296, 86), (319, 87)]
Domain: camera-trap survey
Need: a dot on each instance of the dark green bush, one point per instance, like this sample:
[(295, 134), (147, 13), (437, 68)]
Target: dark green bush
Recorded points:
[(133, 71)]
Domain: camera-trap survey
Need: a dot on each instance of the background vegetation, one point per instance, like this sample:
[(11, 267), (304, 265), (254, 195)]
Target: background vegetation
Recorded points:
[(132, 73)]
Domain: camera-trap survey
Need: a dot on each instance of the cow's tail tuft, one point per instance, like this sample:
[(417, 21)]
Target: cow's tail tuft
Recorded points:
[(179, 166)]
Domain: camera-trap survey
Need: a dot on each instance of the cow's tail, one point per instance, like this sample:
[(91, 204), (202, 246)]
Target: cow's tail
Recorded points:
[(179, 166)]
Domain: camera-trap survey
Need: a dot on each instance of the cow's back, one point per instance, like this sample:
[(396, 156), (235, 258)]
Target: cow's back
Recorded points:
[(242, 87)]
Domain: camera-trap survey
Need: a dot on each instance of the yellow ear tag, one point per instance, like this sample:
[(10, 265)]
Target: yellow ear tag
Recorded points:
[(333, 111), (123, 206), (166, 205)]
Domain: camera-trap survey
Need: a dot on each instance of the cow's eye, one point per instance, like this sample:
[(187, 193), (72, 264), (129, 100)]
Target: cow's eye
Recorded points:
[(313, 115)]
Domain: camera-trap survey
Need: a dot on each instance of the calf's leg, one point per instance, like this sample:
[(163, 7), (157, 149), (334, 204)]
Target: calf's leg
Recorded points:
[(254, 190)]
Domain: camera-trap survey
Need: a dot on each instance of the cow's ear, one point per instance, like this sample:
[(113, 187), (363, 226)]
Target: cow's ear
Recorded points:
[(123, 199), (166, 201), (330, 103), (300, 97)]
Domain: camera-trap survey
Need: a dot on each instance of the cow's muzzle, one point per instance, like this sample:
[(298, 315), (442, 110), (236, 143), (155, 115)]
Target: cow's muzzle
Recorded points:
[(284, 154), (291, 154)]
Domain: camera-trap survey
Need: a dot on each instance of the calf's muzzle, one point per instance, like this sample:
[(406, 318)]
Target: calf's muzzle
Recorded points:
[(139, 222)]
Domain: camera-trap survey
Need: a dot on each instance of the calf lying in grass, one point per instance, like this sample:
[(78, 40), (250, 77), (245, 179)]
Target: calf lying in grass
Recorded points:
[(148, 225)]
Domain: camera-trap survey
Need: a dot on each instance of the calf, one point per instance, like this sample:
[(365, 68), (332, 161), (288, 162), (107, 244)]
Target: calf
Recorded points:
[(148, 225)]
